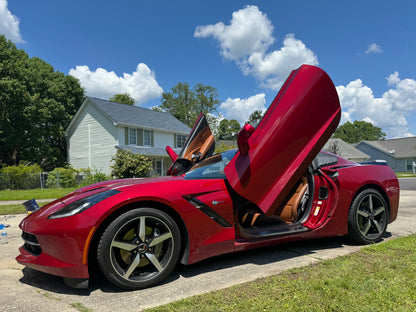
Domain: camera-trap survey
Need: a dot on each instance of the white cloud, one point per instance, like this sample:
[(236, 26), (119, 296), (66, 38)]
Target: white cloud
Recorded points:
[(387, 112), (241, 109), (373, 48), (141, 84), (247, 40), (249, 31), (9, 24), (273, 68)]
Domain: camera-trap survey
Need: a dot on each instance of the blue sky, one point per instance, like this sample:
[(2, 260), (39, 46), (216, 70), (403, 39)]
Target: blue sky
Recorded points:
[(244, 49)]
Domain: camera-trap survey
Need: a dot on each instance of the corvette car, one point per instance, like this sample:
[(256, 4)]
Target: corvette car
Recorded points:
[(276, 187)]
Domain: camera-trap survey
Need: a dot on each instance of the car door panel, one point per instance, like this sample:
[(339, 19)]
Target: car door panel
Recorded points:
[(297, 124)]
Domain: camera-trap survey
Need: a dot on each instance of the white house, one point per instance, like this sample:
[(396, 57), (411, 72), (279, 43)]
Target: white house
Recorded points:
[(101, 127)]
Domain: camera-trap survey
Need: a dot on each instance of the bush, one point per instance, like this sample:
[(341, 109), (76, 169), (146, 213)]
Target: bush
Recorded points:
[(20, 177), (91, 176), (130, 165), (62, 177)]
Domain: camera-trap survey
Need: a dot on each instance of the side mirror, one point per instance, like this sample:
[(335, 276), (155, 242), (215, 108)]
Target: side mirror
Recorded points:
[(242, 138)]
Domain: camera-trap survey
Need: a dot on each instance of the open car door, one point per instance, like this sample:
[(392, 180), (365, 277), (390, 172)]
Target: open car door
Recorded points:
[(273, 156), (199, 145)]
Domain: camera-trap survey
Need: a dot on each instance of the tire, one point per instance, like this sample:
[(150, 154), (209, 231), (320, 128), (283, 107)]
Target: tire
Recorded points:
[(139, 249), (368, 217)]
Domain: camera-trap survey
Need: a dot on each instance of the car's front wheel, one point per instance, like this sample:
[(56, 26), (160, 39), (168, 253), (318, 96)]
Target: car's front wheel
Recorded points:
[(368, 217), (139, 249)]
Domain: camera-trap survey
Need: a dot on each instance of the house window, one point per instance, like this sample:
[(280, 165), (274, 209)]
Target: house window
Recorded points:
[(132, 136), (180, 140), (147, 138), (157, 167), (409, 163), (139, 137)]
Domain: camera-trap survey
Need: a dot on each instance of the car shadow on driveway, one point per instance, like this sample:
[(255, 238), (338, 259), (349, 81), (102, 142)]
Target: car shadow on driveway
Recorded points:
[(314, 248), (266, 255)]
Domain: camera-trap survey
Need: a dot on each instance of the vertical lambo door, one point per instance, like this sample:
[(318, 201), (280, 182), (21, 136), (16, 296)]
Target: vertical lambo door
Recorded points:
[(274, 156)]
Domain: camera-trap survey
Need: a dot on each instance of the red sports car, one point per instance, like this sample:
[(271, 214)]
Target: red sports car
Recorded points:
[(276, 187)]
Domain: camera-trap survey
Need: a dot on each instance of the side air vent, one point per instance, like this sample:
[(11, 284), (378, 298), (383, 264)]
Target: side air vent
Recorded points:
[(208, 211)]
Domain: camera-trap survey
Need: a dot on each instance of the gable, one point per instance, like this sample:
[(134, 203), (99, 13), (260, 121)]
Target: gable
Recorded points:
[(134, 116), (124, 115)]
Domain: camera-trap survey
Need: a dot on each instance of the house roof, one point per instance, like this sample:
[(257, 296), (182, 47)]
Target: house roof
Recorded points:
[(130, 115), (399, 148), (345, 149)]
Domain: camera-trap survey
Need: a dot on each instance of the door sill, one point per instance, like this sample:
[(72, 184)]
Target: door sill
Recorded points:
[(270, 231)]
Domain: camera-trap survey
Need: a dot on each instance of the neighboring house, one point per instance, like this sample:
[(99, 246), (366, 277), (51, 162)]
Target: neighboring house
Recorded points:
[(101, 127), (346, 150), (400, 154)]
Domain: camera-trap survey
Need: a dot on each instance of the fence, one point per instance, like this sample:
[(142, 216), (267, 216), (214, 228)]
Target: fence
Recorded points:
[(41, 180)]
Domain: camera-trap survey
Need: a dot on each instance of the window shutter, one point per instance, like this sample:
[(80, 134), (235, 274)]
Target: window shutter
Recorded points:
[(152, 140), (126, 136), (140, 137), (174, 141)]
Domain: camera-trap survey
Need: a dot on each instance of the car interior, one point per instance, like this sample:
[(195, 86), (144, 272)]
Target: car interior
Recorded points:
[(289, 216), (293, 209)]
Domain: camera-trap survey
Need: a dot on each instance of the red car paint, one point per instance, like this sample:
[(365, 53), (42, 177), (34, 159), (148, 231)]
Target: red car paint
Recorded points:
[(271, 159)]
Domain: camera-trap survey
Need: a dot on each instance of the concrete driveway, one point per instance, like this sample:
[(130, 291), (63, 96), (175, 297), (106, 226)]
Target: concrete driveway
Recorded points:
[(23, 289)]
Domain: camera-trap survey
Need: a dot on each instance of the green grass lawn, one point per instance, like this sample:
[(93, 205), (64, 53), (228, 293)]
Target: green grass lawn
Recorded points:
[(405, 174), (35, 193), (380, 277), (15, 209), (26, 195)]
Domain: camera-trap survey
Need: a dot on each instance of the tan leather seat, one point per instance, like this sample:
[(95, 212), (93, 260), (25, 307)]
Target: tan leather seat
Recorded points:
[(290, 211), (200, 146)]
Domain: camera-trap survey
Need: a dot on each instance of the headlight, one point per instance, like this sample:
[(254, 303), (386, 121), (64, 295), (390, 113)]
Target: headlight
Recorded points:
[(82, 204)]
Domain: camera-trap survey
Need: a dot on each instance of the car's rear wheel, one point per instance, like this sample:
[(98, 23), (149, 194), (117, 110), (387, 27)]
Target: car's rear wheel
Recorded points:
[(368, 217), (139, 249)]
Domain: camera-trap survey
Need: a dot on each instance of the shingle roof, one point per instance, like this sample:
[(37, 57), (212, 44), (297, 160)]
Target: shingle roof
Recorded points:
[(138, 116), (346, 150), (399, 148)]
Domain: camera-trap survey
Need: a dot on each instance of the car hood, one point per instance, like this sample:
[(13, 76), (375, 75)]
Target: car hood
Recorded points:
[(117, 184), (97, 188)]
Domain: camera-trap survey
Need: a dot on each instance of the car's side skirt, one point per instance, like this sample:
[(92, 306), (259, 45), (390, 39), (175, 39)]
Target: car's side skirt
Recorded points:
[(271, 231)]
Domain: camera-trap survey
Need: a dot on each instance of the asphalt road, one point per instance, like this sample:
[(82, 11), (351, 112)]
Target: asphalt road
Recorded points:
[(407, 184), (23, 289)]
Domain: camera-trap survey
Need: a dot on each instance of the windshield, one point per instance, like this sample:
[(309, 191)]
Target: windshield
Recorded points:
[(212, 167)]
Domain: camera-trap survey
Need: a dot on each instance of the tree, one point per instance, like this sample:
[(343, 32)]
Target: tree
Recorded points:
[(359, 131), (130, 165), (36, 106), (157, 109), (122, 98), (255, 117), (333, 147), (222, 146), (186, 104), (228, 129)]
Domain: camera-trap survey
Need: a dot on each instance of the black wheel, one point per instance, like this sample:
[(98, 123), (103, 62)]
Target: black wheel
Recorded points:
[(368, 217), (139, 249)]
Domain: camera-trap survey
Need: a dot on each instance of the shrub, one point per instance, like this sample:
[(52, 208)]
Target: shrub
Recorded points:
[(130, 165), (20, 177), (62, 177), (91, 176)]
